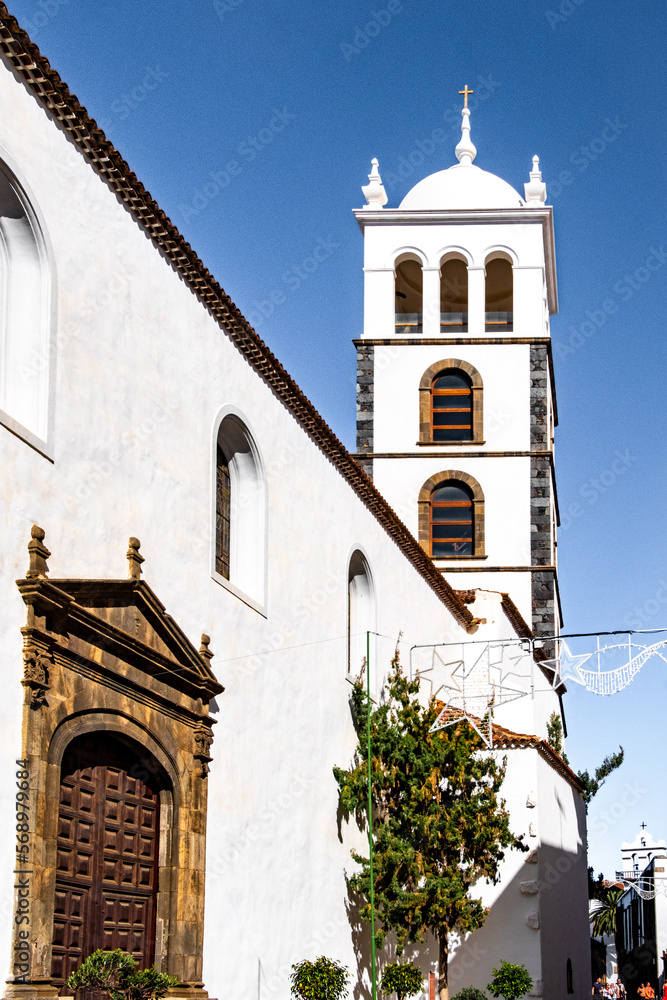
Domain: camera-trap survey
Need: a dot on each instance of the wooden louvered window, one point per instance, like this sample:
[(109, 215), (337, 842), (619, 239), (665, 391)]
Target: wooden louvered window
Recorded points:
[(452, 522), (451, 407), (222, 516)]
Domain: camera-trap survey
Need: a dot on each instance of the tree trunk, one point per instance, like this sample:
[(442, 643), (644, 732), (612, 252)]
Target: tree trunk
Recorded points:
[(443, 957)]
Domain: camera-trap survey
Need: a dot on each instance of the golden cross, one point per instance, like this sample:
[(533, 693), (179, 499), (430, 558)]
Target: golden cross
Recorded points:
[(466, 92)]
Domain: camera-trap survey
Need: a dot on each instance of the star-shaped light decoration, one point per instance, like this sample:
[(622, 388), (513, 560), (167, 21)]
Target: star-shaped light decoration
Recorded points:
[(566, 665), (473, 689)]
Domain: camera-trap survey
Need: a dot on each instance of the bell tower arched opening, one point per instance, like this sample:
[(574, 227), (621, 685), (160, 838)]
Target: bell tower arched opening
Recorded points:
[(499, 298), (454, 296), (409, 293)]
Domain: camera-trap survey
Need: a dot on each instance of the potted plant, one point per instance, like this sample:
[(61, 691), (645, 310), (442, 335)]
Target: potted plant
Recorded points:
[(402, 978), (324, 979), (510, 981), (117, 974)]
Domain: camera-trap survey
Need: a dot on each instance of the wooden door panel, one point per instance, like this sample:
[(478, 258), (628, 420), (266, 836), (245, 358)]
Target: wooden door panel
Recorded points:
[(106, 869)]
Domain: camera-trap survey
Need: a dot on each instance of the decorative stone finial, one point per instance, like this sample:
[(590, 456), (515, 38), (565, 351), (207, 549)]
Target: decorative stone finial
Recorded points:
[(536, 189), (204, 651), (38, 553), (465, 151), (134, 560), (374, 192)]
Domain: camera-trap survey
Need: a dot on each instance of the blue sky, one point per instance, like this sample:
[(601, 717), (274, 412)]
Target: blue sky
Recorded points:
[(253, 124)]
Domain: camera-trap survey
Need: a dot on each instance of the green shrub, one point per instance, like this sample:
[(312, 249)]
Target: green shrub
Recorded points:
[(402, 978), (116, 974), (324, 979), (510, 981), (470, 993)]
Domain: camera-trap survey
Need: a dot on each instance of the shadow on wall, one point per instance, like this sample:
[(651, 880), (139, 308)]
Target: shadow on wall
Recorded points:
[(420, 954), (536, 920), (539, 919)]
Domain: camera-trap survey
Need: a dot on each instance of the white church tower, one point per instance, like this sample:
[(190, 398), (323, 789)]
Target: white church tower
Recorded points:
[(456, 405)]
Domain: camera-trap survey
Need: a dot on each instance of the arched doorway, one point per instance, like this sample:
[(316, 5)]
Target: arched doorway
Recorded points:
[(107, 851)]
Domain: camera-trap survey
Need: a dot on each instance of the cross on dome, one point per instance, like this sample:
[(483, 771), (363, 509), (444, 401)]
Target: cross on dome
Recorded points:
[(465, 151)]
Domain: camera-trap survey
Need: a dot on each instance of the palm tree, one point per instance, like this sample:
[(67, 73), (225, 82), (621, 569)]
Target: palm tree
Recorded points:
[(602, 913)]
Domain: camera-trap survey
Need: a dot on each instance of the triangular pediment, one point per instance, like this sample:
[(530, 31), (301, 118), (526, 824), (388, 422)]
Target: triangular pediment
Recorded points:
[(124, 621)]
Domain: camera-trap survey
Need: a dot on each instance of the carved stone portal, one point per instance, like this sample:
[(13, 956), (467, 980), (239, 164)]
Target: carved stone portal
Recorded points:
[(102, 657)]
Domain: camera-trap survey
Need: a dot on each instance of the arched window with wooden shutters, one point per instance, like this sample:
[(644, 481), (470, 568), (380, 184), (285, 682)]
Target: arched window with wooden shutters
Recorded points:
[(451, 407), (451, 516)]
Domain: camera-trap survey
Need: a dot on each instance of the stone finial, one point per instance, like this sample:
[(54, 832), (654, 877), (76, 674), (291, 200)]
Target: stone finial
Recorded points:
[(374, 191), (204, 651), (536, 189), (38, 553), (134, 560), (465, 151)]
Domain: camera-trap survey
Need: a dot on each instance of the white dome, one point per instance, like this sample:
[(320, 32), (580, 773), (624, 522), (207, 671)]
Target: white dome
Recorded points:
[(462, 186)]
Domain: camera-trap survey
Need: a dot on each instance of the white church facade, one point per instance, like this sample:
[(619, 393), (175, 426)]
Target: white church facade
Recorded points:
[(175, 704)]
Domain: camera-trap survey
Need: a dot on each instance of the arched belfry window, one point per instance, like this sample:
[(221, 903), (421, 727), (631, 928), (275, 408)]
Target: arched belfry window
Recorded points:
[(451, 404), (499, 297), (239, 531), (409, 287), (454, 296), (360, 614), (451, 516)]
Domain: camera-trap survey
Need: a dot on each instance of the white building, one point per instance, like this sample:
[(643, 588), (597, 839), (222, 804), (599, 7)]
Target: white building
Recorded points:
[(136, 400)]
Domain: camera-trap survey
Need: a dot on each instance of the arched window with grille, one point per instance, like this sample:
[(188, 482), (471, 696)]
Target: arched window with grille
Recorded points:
[(239, 549), (451, 404), (223, 506), (451, 516)]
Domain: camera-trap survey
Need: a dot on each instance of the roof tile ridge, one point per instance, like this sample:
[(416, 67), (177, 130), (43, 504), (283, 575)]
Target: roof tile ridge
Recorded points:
[(54, 93)]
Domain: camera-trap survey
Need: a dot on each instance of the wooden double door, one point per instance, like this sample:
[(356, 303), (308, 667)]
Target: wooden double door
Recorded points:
[(107, 854)]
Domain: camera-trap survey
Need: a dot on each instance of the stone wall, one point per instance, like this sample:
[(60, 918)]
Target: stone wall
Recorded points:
[(365, 400)]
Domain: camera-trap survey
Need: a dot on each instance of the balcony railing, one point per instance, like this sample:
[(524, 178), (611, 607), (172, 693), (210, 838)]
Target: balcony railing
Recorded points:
[(454, 322), (408, 323), (501, 321)]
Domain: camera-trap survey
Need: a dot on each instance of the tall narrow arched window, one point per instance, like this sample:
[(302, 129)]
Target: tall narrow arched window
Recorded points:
[(26, 316), (239, 528), (499, 303), (222, 515), (451, 516), (454, 296), (451, 406), (409, 296), (360, 614), (452, 520), (568, 976)]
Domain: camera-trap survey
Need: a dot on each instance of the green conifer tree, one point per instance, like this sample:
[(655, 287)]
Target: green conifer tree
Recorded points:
[(439, 824)]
